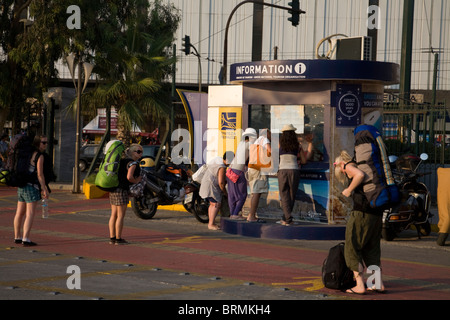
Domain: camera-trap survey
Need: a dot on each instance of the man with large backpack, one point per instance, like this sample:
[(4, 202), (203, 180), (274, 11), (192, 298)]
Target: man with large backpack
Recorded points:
[(373, 189), (363, 231)]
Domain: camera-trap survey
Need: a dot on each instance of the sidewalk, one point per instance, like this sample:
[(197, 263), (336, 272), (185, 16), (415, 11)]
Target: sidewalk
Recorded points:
[(273, 230), (174, 257)]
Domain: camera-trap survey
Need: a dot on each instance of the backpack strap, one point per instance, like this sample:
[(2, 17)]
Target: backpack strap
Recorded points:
[(352, 161), (132, 163)]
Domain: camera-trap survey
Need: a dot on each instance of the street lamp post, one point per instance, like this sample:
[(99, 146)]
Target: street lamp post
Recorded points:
[(187, 45), (87, 68), (294, 11)]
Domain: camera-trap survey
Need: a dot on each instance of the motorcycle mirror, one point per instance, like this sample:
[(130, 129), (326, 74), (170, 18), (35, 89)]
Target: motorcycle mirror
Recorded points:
[(392, 159), (424, 157)]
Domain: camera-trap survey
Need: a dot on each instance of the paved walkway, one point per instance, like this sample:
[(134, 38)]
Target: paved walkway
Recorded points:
[(173, 257)]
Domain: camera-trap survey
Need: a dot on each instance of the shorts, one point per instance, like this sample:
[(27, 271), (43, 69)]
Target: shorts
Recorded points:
[(28, 194), (258, 182), (212, 200), (119, 197)]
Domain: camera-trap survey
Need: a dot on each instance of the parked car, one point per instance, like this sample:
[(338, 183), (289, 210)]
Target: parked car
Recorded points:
[(150, 151), (87, 154)]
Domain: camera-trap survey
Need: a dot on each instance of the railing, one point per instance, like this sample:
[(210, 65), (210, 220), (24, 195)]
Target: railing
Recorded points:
[(407, 129), (418, 128)]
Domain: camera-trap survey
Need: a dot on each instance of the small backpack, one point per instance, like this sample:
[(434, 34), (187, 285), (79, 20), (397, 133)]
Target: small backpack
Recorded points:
[(259, 157), (107, 178), (198, 175), (17, 171), (371, 157), (335, 273)]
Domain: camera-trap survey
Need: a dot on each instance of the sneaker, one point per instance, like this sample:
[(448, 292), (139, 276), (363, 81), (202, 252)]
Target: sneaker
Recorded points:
[(112, 240), (17, 241)]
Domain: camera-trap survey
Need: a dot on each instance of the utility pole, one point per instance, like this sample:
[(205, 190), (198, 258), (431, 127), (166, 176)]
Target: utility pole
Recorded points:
[(406, 63), (258, 20), (372, 31), (406, 59)]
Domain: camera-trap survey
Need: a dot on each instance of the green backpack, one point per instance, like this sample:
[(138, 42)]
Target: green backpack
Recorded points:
[(107, 177)]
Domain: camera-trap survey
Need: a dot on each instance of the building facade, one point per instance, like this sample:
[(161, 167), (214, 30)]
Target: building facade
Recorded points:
[(205, 21)]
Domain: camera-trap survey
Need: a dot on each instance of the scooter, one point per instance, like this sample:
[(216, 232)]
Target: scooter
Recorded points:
[(414, 207), (167, 186)]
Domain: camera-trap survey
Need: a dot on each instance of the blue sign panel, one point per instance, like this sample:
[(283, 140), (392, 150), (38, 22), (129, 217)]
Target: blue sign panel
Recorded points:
[(228, 121), (348, 102), (284, 70)]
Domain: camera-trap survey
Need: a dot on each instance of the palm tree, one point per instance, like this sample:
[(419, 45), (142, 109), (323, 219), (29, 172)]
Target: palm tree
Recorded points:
[(133, 68), (115, 36)]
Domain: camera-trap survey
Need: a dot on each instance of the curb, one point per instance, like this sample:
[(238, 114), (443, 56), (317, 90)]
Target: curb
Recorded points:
[(271, 230), (68, 187), (253, 231)]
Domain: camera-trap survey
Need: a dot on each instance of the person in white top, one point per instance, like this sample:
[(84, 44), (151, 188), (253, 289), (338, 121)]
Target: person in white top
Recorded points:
[(289, 171), (213, 188), (258, 181)]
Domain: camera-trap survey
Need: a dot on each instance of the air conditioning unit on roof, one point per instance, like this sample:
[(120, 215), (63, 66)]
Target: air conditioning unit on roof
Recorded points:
[(356, 48)]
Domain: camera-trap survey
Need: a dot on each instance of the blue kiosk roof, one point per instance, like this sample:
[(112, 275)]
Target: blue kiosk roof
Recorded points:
[(295, 70)]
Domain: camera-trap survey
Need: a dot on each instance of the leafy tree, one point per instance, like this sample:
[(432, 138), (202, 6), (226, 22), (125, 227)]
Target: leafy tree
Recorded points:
[(134, 76), (13, 87), (126, 40)]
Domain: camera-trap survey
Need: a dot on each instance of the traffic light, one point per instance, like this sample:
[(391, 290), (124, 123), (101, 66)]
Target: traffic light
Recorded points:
[(187, 45), (295, 12)]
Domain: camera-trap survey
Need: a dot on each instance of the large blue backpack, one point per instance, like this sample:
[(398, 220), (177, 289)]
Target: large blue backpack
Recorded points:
[(371, 157)]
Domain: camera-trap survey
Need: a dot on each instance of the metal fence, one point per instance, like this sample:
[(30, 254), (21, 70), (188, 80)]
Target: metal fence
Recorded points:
[(419, 128)]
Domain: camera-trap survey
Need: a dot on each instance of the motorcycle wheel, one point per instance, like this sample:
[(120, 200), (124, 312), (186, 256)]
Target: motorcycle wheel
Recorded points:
[(200, 210), (388, 233), (188, 208), (143, 207)]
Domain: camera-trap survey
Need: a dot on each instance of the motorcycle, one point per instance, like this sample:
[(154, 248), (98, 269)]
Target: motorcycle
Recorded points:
[(167, 186), (414, 207), (194, 203)]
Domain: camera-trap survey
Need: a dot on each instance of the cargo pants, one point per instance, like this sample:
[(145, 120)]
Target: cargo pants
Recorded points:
[(362, 240)]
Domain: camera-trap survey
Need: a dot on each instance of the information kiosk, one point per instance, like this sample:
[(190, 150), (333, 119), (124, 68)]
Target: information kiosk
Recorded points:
[(324, 99)]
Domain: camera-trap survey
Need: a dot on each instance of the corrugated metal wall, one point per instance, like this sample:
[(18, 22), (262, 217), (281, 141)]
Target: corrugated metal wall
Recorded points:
[(205, 21)]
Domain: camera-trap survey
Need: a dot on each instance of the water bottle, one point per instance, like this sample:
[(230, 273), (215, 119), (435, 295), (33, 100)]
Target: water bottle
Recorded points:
[(44, 208)]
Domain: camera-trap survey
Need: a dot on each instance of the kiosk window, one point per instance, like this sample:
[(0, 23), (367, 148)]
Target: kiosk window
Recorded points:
[(258, 116), (308, 119)]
